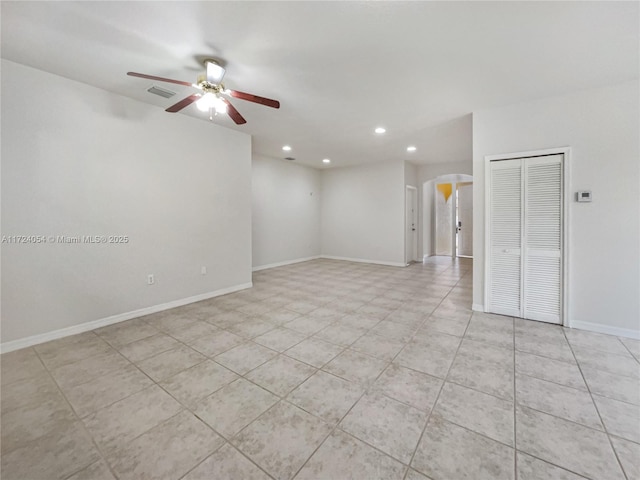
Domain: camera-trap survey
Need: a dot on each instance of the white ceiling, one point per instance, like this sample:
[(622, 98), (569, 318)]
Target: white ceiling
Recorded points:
[(339, 69)]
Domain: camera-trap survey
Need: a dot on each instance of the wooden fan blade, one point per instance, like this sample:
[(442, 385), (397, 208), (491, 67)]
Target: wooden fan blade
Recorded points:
[(254, 98), (185, 102), (160, 79), (233, 113)]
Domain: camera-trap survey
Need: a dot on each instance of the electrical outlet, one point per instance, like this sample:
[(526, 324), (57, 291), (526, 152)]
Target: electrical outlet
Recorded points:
[(150, 279), (203, 270)]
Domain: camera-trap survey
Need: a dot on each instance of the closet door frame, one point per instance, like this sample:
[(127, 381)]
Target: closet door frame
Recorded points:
[(566, 254)]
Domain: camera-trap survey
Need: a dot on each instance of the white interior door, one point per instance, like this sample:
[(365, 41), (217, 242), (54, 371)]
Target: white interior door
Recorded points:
[(465, 219), (427, 221), (411, 224)]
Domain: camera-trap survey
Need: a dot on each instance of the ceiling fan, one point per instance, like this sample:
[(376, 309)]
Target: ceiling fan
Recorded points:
[(211, 98)]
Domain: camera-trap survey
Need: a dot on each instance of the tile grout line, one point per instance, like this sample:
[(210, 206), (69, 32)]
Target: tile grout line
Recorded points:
[(365, 392), (435, 403), (548, 462), (79, 420), (515, 405), (156, 383), (336, 426), (606, 430), (566, 419), (227, 442), (280, 399), (228, 439), (629, 349), (187, 408), (577, 390), (224, 437)]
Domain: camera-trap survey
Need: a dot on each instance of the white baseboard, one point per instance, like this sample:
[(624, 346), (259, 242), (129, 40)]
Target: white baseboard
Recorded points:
[(599, 328), (363, 260), (282, 264), (592, 327), (121, 317)]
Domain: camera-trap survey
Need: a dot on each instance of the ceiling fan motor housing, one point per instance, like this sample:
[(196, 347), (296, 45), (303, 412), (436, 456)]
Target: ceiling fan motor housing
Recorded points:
[(214, 71)]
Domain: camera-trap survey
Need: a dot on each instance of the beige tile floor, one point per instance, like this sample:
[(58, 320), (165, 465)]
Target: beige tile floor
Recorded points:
[(326, 370)]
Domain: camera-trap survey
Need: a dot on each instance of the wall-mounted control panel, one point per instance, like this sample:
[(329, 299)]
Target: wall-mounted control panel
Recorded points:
[(583, 196)]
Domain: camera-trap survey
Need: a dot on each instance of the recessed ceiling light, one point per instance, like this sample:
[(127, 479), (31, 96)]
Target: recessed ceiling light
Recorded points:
[(286, 148), (411, 148), (380, 130), (326, 160)]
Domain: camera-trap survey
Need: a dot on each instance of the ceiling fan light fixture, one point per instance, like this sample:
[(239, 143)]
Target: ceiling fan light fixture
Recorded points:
[(210, 101), (215, 72), (220, 106)]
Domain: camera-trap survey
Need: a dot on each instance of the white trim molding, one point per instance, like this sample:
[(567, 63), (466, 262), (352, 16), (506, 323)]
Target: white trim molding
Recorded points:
[(477, 307), (286, 262), (363, 260), (121, 317), (607, 329)]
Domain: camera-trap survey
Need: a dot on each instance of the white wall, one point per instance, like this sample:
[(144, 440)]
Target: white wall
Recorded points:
[(433, 170), (77, 160), (601, 126), (363, 212), (411, 174), (286, 211)]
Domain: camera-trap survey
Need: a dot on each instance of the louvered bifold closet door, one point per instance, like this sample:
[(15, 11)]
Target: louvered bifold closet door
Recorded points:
[(542, 246), (505, 238)]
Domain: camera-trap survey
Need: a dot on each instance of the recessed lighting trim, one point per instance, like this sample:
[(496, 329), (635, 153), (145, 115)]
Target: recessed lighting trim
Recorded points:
[(326, 160), (411, 148), (380, 130), (286, 148)]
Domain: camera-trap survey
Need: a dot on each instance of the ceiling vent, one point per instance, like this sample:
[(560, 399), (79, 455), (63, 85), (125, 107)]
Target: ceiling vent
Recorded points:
[(289, 158), (161, 91)]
